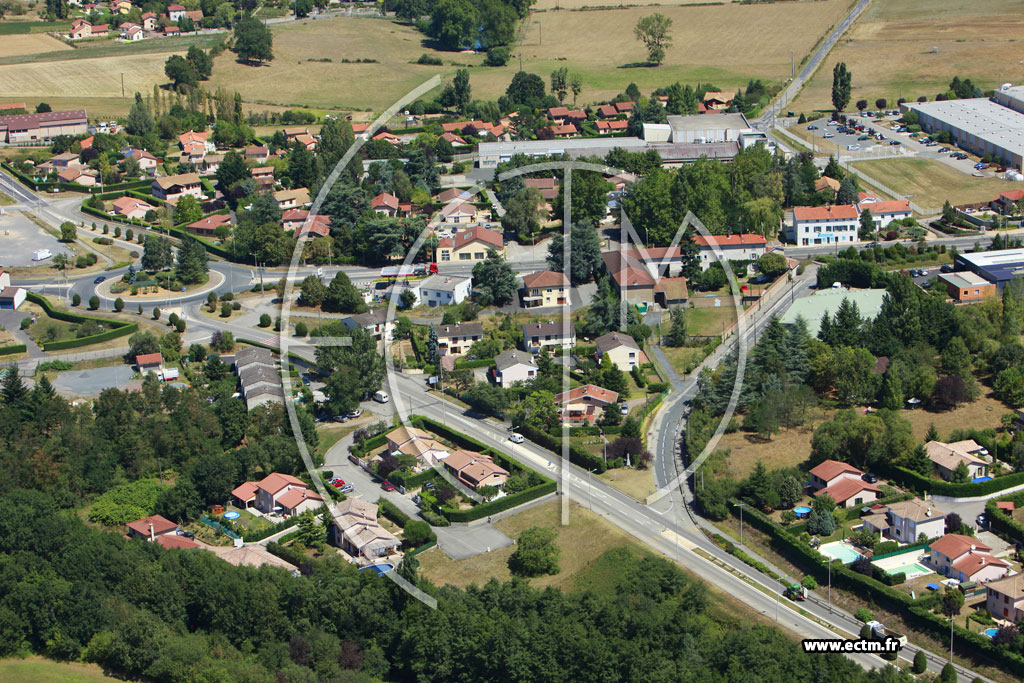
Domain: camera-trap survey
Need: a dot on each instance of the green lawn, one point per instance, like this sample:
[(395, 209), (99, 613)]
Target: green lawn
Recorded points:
[(709, 321), (39, 670), (683, 358)]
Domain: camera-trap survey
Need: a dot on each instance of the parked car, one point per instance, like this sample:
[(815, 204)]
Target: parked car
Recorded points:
[(812, 127), (337, 483), (342, 418), (428, 485), (388, 486), (187, 534), (828, 135), (894, 142), (944, 150), (869, 478), (516, 437), (946, 268), (355, 413), (981, 520), (980, 165), (624, 409), (347, 488), (853, 148), (863, 137)]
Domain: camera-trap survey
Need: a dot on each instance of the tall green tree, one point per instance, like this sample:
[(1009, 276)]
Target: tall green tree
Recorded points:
[(677, 331), (192, 261), (494, 279), (560, 83), (584, 253), (140, 118), (453, 23), (841, 78), (253, 41)]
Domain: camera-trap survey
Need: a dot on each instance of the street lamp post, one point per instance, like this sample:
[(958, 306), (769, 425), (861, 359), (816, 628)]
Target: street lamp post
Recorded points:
[(740, 505), (830, 584)]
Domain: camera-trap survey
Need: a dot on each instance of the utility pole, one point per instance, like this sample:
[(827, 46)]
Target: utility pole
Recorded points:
[(520, 61), (122, 84)]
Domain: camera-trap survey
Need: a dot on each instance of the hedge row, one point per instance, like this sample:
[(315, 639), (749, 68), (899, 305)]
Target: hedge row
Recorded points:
[(14, 348), (120, 328), (917, 614), (478, 363), (391, 511), (1002, 523), (72, 187), (917, 482), (253, 536), (500, 504), (416, 551), (370, 444), (411, 481)]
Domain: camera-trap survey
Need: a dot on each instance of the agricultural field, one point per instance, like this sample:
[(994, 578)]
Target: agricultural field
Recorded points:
[(890, 50), (39, 670), (30, 44), (930, 183), (93, 78), (551, 40)]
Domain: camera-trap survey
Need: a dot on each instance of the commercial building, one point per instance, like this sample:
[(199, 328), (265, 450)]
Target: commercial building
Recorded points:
[(675, 152), (996, 267), (979, 125), (703, 128), (812, 308), (965, 287), (29, 127)]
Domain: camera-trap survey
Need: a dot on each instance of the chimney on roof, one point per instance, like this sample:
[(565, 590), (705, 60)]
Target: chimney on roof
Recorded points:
[(152, 534)]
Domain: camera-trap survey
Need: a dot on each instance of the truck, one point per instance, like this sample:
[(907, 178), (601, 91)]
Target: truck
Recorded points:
[(880, 632), (397, 272), (795, 592)]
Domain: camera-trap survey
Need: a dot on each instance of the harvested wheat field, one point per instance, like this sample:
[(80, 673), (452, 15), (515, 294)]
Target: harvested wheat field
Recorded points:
[(757, 45), (890, 50), (30, 44), (84, 77)]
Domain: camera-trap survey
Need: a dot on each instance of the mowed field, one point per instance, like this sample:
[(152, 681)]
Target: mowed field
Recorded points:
[(889, 50), (30, 44), (599, 45), (89, 78), (931, 183), (39, 670)]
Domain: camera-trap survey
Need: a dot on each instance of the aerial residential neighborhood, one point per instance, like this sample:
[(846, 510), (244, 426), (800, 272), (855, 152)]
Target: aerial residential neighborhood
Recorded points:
[(511, 341)]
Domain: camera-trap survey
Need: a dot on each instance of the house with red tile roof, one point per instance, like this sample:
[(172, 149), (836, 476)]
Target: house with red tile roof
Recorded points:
[(623, 350), (209, 224), (475, 469), (295, 220), (360, 128), (130, 207), (244, 495), (470, 245), (733, 247), (965, 558), (558, 114), (717, 101), (80, 28), (612, 126), (151, 527), (298, 500), (607, 111), (148, 21), (175, 542), (149, 362), (624, 107), (307, 141), (632, 278), (545, 288), (886, 212), (453, 139), (833, 224), (1006, 202), (584, 405), (175, 12), (567, 130), (1004, 598), (385, 204), (388, 137), (851, 492), (272, 487), (831, 471)]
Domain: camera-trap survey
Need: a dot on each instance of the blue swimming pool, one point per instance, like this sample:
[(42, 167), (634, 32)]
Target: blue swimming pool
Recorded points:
[(838, 550), (991, 632), (382, 568), (802, 511), (231, 514), (978, 480)]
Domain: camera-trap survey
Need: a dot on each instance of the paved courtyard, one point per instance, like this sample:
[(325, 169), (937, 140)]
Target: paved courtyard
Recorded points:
[(20, 237), (88, 383)]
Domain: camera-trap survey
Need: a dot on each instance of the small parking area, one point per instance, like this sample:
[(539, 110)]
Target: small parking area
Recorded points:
[(20, 238), (459, 542), (89, 383)]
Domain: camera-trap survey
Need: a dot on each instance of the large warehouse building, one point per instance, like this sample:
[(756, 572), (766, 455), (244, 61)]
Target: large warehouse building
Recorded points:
[(490, 154), (979, 125), (997, 267), (45, 126)]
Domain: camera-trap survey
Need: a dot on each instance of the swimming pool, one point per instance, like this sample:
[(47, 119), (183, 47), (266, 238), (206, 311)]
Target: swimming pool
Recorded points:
[(838, 550), (991, 632), (382, 568), (912, 570)]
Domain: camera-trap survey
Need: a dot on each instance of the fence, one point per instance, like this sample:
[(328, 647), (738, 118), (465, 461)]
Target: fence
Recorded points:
[(218, 527)]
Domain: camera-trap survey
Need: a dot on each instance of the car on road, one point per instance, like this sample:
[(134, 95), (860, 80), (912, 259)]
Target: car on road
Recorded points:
[(388, 486), (944, 150), (516, 437), (980, 520), (100, 279), (863, 137), (812, 127), (305, 380), (354, 413)]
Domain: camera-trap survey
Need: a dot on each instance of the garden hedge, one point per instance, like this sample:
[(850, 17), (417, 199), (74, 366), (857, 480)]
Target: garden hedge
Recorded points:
[(12, 349), (501, 504), (577, 455), (1002, 523), (391, 511), (478, 363), (120, 328)]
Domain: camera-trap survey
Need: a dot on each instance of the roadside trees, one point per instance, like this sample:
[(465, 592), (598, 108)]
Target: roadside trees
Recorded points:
[(841, 78)]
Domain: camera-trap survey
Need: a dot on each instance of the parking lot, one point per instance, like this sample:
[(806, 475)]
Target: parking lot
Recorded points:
[(862, 144), (20, 238)]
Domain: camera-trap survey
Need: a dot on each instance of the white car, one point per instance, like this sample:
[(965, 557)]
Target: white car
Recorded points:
[(516, 437), (853, 148), (828, 135)]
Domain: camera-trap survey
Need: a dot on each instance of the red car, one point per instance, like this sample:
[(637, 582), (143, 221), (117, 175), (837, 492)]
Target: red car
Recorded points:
[(388, 486), (337, 483)]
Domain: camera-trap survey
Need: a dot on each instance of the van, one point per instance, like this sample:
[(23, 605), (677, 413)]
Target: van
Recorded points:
[(381, 397)]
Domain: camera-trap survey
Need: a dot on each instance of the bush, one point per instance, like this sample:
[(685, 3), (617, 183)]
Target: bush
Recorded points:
[(301, 330), (864, 614), (536, 553), (118, 304), (391, 511), (94, 302), (497, 56), (920, 662), (417, 533), (429, 60), (809, 582), (265, 320), (225, 310), (156, 314), (76, 300)]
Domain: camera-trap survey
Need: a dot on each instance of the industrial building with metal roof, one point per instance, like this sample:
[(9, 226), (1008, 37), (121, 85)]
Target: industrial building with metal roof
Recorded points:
[(997, 267), (979, 125)]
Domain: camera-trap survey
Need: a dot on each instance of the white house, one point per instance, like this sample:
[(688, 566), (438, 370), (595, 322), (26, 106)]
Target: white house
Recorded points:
[(824, 225), (623, 350), (1005, 598), (514, 366), (11, 298), (884, 213), (376, 322), (748, 247), (946, 457), (843, 483), (551, 333), (170, 188), (442, 290), (907, 520)]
